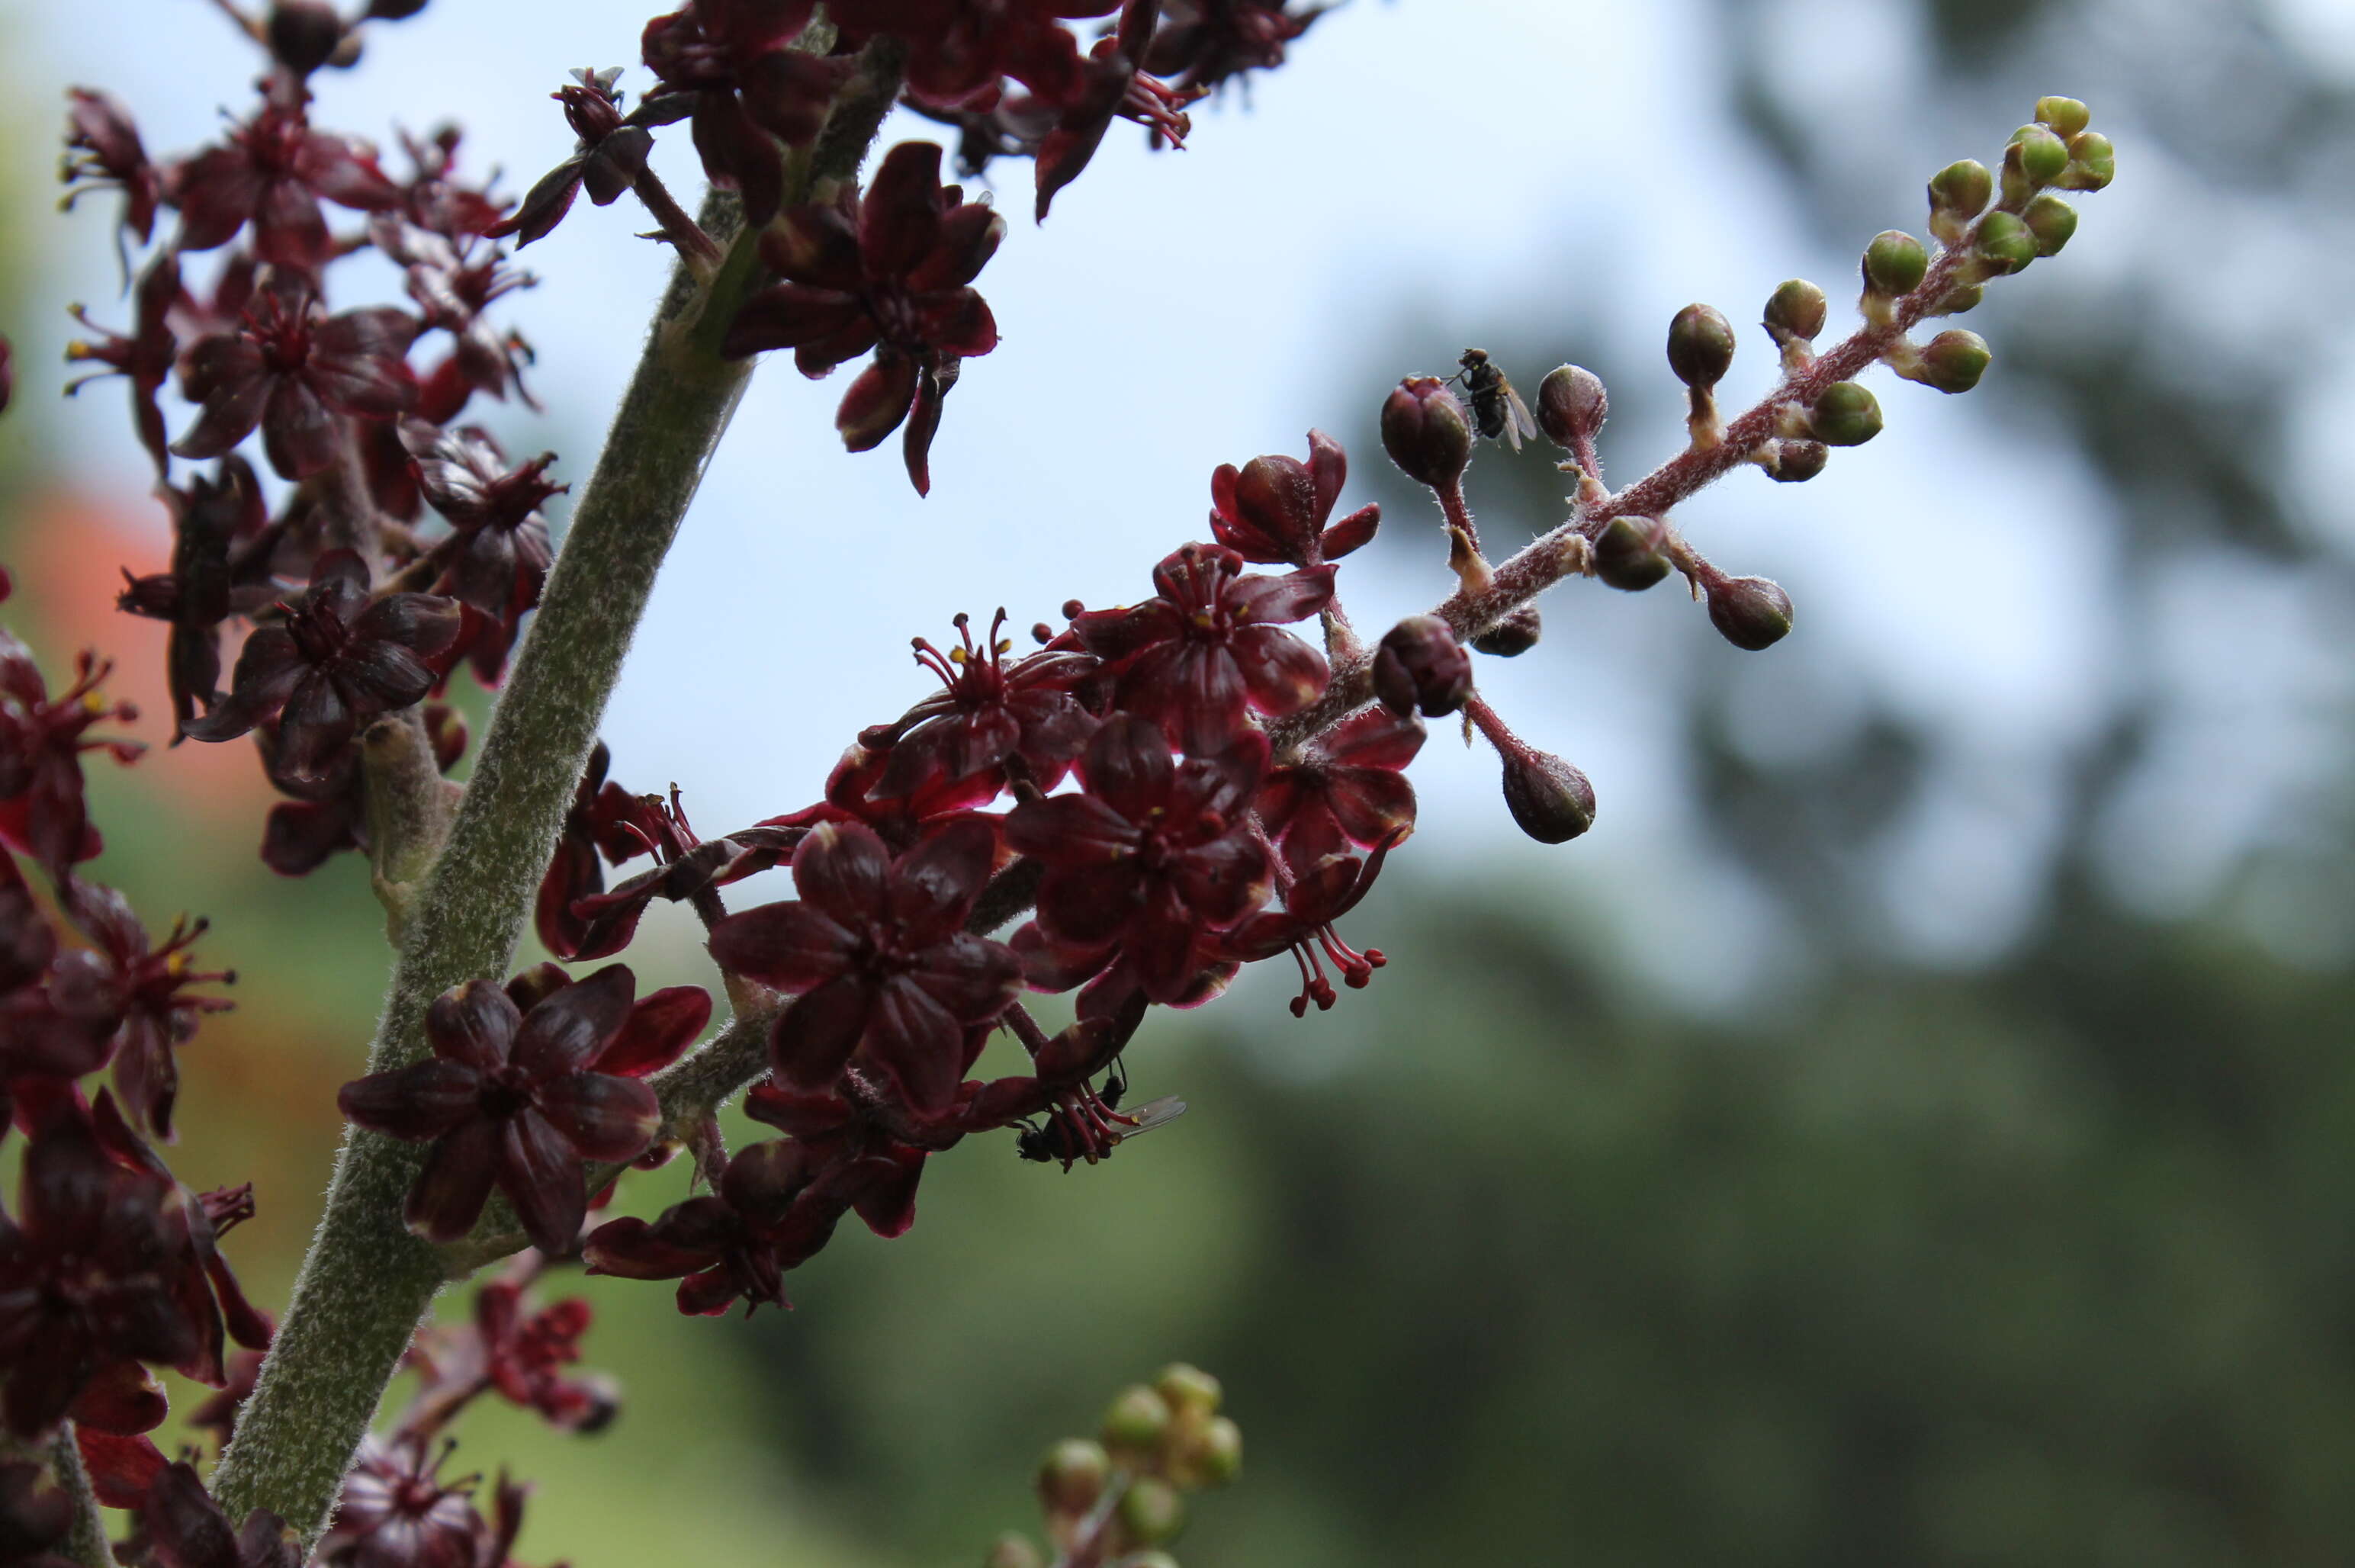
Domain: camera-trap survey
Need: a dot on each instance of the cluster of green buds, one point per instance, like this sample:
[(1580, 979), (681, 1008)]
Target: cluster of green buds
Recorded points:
[(1118, 1499)]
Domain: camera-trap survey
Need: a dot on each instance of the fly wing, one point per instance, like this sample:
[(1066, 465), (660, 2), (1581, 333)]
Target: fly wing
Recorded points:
[(1151, 1115), (1518, 425)]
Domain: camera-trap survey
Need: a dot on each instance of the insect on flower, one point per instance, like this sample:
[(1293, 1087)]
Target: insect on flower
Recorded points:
[(1497, 408), (1089, 1126)]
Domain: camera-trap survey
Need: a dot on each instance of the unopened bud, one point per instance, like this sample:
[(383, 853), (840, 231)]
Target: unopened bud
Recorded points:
[(1014, 1551), (1514, 635), (1953, 361), (1701, 346), (1961, 191), (1960, 299), (2063, 116), (2093, 162), (1136, 1421), (1213, 1458), (1894, 263), (1572, 405), (1192, 1392), (1796, 310), (2051, 220), (1625, 555), (2044, 157), (1848, 415), (1551, 800), (1071, 1476), (1791, 461), (2005, 244), (1421, 668), (1751, 612), (1425, 432), (1152, 1513), (303, 34)]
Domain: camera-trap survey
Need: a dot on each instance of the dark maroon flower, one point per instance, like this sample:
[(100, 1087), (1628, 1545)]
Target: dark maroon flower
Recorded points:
[(454, 282), (523, 1101), (103, 151), (501, 544), (434, 197), (1211, 646), (716, 1246), (1275, 508), (877, 951), (1325, 882), (959, 50), (991, 713), (1155, 857), (607, 159), (36, 1514), (888, 272), (221, 539), (329, 813), (1348, 781), (190, 1531), (605, 820), (518, 1348), (42, 813), (291, 368), (335, 663), (272, 171), (396, 1512), (1111, 87), (747, 85), (144, 358), (1203, 44), (1420, 666)]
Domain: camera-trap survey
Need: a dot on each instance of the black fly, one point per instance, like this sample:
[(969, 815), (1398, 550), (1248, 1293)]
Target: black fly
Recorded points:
[(1089, 1125), (1497, 408)]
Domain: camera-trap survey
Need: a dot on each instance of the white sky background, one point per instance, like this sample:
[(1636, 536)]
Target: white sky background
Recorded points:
[(1447, 161)]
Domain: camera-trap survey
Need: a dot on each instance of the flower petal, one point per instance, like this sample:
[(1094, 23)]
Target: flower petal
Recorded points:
[(844, 869), (424, 1100), (791, 946), (474, 1023), (565, 1031), (540, 1174), (449, 1193), (603, 1117), (659, 1029), (812, 1037)]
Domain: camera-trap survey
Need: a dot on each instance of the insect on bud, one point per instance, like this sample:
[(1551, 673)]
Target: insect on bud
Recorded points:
[(1751, 612), (1071, 1476), (2051, 220), (1701, 346), (1626, 555), (1551, 801), (303, 34), (1894, 263), (1425, 432), (2092, 162), (1421, 668), (1014, 1551), (1572, 405), (1796, 313), (1514, 635), (2063, 116), (1152, 1513), (1848, 415), (1791, 461), (1953, 361), (2005, 243)]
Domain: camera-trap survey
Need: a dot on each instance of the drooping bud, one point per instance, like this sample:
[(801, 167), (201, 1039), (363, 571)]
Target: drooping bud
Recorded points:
[(1551, 801), (2051, 220), (1894, 263), (1627, 555), (1072, 1475), (2063, 116), (1795, 311), (1136, 1421), (2042, 155), (1013, 1551), (1514, 635), (1572, 405), (2093, 162), (1426, 432), (2005, 244), (1751, 612), (1958, 192), (1848, 415), (1421, 668), (1953, 361), (1152, 1513), (303, 34), (1791, 461), (1701, 346), (1191, 1392)]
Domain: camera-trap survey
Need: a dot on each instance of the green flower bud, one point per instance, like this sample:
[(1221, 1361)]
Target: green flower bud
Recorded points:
[(1136, 1421), (1071, 1476), (1963, 297), (1847, 414), (1953, 361), (1152, 1513), (1514, 635), (1014, 1551), (2065, 116), (1795, 310), (2051, 220), (1216, 1457), (1625, 557), (1795, 461), (2005, 243), (1962, 188), (1551, 801), (1192, 1392), (2044, 157), (1426, 433), (1701, 346), (1894, 263), (1751, 612), (1572, 405), (2092, 162)]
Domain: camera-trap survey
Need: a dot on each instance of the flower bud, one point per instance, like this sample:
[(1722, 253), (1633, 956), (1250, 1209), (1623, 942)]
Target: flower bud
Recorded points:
[(1894, 263), (1421, 668), (2005, 245), (302, 34), (1701, 346), (1425, 432), (1214, 1457), (1625, 556), (2044, 157), (1551, 800), (1071, 1476), (1960, 299), (1751, 612), (1192, 1394), (2051, 220), (1136, 1421), (1572, 405), (1795, 311), (1961, 191), (1791, 461), (1953, 361), (1847, 414), (2092, 162), (1514, 635), (1152, 1513), (1014, 1551), (2063, 116)]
